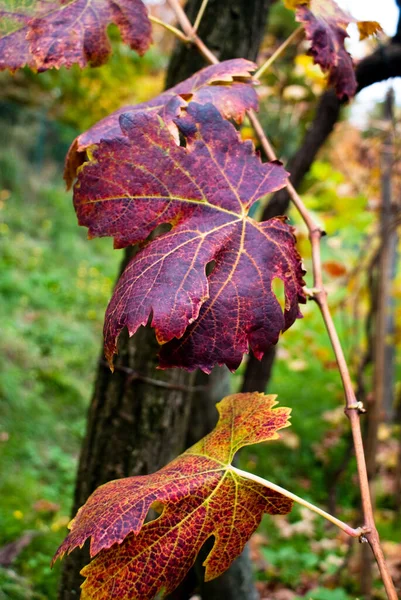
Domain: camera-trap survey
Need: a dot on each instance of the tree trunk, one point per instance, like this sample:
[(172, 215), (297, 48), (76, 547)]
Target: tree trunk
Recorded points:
[(129, 429), (237, 582), (383, 372), (397, 485), (243, 26), (138, 419), (231, 29), (383, 352)]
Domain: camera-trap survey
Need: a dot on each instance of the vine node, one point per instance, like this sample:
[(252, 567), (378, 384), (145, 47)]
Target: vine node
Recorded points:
[(358, 406)]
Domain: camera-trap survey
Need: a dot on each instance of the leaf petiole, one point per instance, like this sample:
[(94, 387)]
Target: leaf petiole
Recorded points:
[(181, 36), (200, 14), (356, 533), (277, 53)]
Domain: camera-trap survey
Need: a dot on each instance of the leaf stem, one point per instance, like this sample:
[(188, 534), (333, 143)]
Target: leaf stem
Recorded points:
[(352, 407), (268, 63), (181, 36), (191, 33), (356, 533), (200, 14)]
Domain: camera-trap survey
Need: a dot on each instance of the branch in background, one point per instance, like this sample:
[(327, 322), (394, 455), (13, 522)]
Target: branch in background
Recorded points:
[(384, 63)]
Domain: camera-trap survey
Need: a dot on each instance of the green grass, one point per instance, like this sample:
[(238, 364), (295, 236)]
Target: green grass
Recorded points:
[(54, 287)]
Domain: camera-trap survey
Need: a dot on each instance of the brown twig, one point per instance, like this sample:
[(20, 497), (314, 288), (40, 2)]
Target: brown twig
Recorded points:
[(352, 407)]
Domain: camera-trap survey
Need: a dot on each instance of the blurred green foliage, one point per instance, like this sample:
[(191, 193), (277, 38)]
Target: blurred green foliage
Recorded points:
[(80, 97), (54, 287)]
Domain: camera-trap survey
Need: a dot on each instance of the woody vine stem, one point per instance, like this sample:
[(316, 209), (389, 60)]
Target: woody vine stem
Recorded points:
[(318, 294)]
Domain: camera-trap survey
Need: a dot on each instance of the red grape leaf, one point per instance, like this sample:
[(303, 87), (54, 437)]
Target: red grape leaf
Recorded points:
[(204, 190), (325, 25), (201, 497), (54, 33), (227, 85)]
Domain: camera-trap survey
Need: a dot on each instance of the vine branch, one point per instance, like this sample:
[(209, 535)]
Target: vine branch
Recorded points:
[(352, 407)]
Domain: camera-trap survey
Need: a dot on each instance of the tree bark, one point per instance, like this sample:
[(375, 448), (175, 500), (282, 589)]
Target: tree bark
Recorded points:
[(129, 427), (397, 485), (139, 416), (237, 582), (231, 29)]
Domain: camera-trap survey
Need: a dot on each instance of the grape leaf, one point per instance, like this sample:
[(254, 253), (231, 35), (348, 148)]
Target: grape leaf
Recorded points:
[(201, 497), (325, 25), (204, 191), (227, 85), (52, 33)]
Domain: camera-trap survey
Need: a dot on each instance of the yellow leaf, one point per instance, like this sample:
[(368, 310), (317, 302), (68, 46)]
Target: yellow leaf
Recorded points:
[(305, 66), (368, 28), (293, 4), (200, 497)]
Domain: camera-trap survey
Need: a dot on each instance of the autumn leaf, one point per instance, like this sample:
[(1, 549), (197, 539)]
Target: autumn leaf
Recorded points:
[(201, 497), (334, 268), (227, 85), (325, 26), (55, 33), (368, 28), (143, 179)]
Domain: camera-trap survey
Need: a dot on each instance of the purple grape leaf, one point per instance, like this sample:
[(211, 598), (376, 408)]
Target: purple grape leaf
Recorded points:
[(326, 27), (143, 179), (227, 85), (54, 33)]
